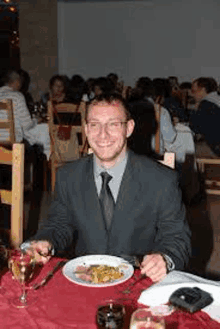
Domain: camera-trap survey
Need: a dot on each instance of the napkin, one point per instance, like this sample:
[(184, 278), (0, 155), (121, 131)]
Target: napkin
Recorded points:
[(160, 292)]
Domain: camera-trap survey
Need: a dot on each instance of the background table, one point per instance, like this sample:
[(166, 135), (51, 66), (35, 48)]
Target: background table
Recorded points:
[(62, 304)]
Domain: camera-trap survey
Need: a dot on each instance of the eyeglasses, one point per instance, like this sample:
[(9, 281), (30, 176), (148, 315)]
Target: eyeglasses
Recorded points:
[(112, 127)]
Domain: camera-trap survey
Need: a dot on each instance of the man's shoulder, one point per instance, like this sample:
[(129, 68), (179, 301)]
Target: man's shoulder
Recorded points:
[(206, 104), (10, 94), (150, 167), (76, 166)]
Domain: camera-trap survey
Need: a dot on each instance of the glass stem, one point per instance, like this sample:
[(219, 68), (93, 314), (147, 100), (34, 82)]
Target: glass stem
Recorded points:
[(24, 294)]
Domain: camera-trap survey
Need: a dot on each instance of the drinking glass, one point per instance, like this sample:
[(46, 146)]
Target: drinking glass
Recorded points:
[(22, 267), (110, 314), (143, 318)]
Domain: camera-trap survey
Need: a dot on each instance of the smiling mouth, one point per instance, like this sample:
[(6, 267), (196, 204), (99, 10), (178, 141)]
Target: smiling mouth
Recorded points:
[(104, 145)]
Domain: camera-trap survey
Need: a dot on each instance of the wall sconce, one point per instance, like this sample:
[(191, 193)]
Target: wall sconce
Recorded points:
[(7, 1)]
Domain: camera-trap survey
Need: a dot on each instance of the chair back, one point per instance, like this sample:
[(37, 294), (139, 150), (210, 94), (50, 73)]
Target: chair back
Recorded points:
[(15, 196), (67, 135), (7, 130), (169, 160)]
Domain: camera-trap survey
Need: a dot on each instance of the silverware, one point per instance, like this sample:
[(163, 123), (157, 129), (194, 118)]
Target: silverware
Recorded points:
[(128, 289), (49, 275)]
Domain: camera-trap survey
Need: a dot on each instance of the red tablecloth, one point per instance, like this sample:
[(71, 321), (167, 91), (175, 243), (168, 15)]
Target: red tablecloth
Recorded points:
[(62, 304)]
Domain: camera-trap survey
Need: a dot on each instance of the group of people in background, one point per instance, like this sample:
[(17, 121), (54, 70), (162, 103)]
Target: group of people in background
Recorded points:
[(186, 109)]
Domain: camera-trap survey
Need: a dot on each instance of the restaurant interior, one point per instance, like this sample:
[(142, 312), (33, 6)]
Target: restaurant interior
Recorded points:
[(133, 39)]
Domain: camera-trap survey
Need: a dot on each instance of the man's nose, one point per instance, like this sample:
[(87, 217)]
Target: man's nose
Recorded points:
[(103, 130)]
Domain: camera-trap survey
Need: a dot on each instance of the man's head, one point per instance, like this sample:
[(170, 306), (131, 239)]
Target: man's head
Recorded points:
[(108, 125), (201, 87), (12, 79)]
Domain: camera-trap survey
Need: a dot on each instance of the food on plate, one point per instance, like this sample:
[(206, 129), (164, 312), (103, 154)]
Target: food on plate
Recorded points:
[(98, 273)]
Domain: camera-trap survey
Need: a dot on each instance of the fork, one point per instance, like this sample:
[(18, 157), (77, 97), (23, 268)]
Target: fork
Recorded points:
[(128, 289)]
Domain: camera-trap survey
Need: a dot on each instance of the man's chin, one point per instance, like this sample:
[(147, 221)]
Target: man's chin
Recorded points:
[(106, 157)]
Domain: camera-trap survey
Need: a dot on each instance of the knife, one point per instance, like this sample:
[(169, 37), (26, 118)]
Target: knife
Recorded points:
[(49, 275)]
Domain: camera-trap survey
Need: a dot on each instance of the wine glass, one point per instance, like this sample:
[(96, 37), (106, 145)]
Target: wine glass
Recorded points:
[(22, 267), (110, 314), (143, 318)]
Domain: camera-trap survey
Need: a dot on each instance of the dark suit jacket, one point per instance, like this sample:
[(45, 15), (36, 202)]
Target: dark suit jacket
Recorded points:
[(149, 215), (205, 121)]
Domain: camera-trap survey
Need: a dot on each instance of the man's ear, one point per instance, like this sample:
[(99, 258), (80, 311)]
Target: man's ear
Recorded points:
[(130, 127)]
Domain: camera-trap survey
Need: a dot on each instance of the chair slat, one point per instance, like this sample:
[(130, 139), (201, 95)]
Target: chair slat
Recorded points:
[(5, 156), (6, 197), (3, 106), (15, 197), (7, 120), (5, 125)]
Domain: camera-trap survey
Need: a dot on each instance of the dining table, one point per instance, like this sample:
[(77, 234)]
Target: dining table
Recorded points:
[(62, 303)]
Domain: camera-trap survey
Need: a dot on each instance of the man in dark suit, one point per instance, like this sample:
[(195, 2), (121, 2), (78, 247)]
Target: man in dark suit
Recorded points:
[(205, 120), (139, 212)]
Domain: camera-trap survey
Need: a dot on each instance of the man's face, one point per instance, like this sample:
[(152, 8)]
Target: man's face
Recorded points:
[(198, 92), (109, 140)]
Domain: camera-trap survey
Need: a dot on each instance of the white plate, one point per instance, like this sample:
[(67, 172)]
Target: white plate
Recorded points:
[(69, 268)]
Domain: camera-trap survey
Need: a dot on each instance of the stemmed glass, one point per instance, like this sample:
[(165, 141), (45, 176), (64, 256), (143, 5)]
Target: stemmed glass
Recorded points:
[(22, 267)]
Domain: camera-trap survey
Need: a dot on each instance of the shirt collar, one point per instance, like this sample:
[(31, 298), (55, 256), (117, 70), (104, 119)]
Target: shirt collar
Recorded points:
[(115, 171)]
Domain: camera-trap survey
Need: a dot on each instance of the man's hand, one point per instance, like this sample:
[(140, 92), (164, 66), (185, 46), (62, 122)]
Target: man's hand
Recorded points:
[(40, 250), (154, 266)]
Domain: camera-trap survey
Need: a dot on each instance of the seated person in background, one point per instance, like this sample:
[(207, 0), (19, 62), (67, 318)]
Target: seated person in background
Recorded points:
[(89, 90), (59, 86), (142, 212), (143, 113), (142, 91), (117, 85), (77, 88), (188, 101), (24, 127), (25, 82), (22, 118), (167, 130), (172, 97), (113, 77), (205, 120), (102, 85)]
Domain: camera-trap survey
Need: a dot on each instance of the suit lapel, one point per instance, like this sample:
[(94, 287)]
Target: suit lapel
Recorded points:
[(129, 193)]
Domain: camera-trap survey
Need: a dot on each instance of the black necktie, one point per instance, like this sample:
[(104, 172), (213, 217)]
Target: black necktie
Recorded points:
[(106, 199)]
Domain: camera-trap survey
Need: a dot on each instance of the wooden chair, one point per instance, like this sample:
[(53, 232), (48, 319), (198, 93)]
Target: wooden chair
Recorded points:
[(7, 130), (14, 197), (65, 116), (212, 181)]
